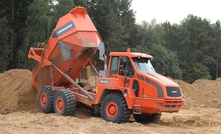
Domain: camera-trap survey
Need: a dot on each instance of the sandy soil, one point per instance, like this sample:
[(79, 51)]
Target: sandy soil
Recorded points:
[(19, 113)]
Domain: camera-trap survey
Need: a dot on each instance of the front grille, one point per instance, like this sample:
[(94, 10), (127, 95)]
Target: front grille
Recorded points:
[(171, 106), (173, 91)]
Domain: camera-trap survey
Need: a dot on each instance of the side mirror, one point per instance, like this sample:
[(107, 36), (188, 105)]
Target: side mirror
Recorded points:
[(125, 72), (101, 48)]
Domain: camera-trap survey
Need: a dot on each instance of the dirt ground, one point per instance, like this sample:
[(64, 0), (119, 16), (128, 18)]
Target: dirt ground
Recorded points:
[(19, 113)]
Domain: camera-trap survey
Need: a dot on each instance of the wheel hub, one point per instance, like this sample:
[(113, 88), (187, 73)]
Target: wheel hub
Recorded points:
[(112, 110), (59, 104), (44, 99)]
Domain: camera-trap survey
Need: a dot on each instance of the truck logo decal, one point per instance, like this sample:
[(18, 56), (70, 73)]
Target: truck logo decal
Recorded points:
[(174, 92), (64, 29), (104, 81)]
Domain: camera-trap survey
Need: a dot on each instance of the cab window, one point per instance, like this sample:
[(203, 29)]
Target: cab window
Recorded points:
[(125, 64), (114, 64)]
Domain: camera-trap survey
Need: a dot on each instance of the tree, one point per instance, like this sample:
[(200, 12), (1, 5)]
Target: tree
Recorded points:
[(116, 34), (15, 13), (105, 16), (170, 59), (62, 8), (152, 42), (38, 29), (196, 42), (172, 36), (127, 18), (4, 44), (215, 67)]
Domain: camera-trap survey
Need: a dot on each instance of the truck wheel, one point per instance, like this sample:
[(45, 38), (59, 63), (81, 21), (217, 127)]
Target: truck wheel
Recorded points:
[(147, 118), (64, 103), (45, 99), (114, 108)]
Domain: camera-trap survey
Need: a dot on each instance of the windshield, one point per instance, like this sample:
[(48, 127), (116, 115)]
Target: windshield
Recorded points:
[(144, 65)]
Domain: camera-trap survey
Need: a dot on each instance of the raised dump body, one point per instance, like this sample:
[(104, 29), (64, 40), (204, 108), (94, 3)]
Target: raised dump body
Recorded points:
[(71, 45)]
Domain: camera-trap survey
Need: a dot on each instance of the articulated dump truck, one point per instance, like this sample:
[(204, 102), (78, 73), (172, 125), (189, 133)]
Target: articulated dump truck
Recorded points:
[(128, 85)]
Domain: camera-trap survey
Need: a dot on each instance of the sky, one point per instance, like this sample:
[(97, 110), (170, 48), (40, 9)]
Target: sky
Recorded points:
[(175, 11)]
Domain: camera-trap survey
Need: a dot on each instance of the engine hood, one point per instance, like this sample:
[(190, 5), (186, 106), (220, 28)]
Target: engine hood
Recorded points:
[(158, 78)]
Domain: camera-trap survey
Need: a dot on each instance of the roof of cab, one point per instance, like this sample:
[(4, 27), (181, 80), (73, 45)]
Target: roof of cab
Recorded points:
[(131, 54)]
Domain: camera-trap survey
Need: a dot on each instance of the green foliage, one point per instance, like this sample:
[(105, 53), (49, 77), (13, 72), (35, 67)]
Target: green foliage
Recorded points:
[(215, 49), (37, 29), (108, 19), (115, 22), (127, 19), (116, 39), (152, 43), (63, 7), (197, 42), (4, 44), (170, 59), (172, 36), (191, 50)]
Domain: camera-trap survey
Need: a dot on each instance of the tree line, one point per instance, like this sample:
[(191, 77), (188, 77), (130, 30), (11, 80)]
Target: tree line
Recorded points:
[(190, 50)]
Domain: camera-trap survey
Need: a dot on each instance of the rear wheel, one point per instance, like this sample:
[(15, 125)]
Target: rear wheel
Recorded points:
[(114, 108), (147, 118), (64, 103), (45, 99)]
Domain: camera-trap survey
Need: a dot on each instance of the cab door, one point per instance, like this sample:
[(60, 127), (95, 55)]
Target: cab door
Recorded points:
[(121, 65)]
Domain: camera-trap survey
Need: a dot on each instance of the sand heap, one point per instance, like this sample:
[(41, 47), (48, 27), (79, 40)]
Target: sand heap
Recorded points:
[(16, 91), (18, 94), (202, 93)]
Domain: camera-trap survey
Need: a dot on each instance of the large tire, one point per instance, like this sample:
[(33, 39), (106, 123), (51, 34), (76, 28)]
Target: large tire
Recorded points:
[(147, 118), (64, 103), (114, 108), (45, 99)]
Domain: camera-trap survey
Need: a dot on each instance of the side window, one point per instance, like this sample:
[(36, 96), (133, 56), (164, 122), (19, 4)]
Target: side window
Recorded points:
[(126, 64), (114, 66), (130, 69), (123, 62)]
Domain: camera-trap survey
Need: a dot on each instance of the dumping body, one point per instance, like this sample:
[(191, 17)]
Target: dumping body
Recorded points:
[(72, 44)]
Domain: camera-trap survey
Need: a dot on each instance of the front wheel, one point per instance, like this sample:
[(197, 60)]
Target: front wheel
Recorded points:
[(114, 108), (64, 103)]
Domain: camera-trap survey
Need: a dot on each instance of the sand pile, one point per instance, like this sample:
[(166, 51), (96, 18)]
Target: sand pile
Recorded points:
[(16, 91), (202, 93)]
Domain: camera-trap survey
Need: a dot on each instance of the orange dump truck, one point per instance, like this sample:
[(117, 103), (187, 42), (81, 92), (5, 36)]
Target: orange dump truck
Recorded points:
[(128, 86)]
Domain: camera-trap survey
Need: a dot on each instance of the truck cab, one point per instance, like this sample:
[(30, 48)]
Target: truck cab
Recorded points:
[(151, 92)]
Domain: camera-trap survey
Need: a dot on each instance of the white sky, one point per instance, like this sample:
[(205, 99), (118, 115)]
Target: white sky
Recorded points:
[(175, 11)]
